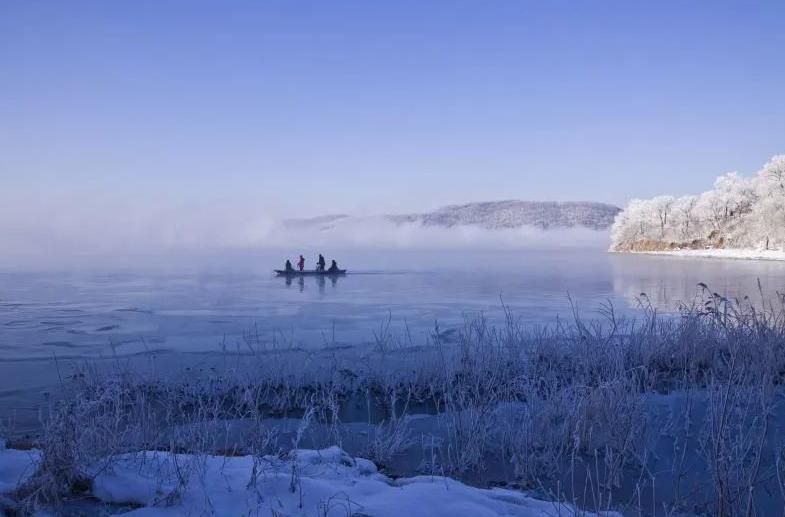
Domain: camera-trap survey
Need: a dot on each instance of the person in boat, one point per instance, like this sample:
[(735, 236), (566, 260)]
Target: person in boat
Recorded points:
[(333, 268), (301, 263), (288, 266), (320, 263)]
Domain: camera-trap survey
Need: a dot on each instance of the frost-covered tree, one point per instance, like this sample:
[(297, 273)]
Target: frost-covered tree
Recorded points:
[(769, 211), (711, 207), (633, 224), (737, 194), (662, 206), (773, 174), (686, 216), (738, 212)]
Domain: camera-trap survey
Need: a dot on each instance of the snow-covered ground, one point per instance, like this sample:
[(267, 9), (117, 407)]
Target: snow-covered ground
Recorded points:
[(323, 483), (748, 254), (15, 467)]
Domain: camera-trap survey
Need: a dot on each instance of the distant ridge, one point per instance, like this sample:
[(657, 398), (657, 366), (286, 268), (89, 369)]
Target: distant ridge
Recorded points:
[(492, 215)]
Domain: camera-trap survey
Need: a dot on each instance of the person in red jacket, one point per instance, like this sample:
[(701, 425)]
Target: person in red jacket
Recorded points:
[(301, 263)]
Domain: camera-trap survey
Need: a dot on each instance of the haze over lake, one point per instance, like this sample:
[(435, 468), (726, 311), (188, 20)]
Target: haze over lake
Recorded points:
[(217, 304), (94, 314)]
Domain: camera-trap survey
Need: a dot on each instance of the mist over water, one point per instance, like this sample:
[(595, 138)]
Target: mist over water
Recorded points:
[(189, 307), (110, 278), (109, 232), (211, 301)]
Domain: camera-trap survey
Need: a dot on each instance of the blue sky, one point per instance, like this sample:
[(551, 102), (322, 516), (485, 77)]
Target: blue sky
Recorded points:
[(301, 108)]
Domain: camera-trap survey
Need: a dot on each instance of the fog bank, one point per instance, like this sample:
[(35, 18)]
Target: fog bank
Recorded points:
[(43, 234)]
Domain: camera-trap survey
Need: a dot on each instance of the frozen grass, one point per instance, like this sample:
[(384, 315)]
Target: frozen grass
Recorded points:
[(659, 415)]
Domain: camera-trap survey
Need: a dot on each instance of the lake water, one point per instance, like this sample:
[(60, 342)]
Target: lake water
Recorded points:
[(92, 314)]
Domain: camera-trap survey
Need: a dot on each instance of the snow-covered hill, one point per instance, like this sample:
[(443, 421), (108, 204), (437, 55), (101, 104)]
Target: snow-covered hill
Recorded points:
[(493, 215), (496, 215)]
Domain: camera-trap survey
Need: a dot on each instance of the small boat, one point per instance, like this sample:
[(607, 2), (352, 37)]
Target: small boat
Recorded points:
[(309, 272)]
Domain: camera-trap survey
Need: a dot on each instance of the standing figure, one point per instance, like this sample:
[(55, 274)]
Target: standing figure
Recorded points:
[(301, 263), (320, 263)]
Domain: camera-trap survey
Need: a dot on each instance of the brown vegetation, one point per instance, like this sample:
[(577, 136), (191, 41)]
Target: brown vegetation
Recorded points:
[(714, 241)]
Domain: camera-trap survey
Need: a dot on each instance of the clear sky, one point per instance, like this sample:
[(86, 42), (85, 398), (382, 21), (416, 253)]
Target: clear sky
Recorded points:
[(292, 107)]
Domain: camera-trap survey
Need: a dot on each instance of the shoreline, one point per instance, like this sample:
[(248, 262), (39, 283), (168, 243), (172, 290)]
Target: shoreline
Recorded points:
[(734, 254)]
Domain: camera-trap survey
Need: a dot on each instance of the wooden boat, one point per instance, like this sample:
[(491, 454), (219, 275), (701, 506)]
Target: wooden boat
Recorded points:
[(309, 272)]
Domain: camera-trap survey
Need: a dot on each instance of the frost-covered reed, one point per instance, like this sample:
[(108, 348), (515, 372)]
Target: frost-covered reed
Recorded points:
[(659, 414)]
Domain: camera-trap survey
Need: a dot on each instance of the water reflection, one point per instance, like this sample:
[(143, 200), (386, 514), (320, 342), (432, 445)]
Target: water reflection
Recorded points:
[(670, 281), (77, 315), (321, 282)]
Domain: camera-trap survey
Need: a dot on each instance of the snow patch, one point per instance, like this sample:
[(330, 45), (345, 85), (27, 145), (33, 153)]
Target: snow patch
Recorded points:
[(15, 467), (325, 482), (746, 254)]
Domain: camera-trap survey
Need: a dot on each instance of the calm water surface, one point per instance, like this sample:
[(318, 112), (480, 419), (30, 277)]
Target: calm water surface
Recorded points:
[(92, 314)]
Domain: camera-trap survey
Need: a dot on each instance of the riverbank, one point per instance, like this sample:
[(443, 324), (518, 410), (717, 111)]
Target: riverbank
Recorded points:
[(718, 253)]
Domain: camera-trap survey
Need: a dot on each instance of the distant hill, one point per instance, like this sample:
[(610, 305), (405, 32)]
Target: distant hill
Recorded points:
[(497, 215), (493, 215)]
